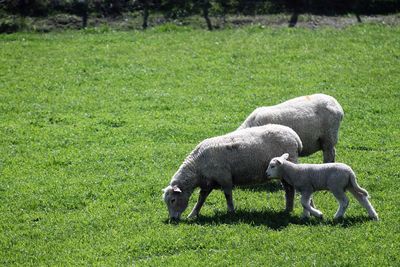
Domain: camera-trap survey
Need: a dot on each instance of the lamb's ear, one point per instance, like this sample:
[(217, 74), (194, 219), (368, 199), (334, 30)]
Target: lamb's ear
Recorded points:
[(176, 189), (285, 156)]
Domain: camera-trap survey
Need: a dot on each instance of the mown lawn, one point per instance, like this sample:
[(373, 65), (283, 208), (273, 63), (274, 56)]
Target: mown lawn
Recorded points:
[(93, 126)]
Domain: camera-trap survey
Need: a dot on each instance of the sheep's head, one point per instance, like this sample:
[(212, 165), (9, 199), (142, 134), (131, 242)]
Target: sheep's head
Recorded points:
[(176, 200), (273, 170)]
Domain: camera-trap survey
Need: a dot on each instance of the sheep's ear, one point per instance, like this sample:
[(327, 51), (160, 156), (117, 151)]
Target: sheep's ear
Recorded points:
[(176, 189), (168, 188), (285, 156), (165, 190)]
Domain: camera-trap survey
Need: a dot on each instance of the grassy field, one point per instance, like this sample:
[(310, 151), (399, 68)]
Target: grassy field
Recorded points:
[(93, 126)]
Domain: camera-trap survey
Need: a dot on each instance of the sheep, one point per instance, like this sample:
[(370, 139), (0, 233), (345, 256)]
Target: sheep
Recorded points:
[(315, 118), (237, 158), (308, 178)]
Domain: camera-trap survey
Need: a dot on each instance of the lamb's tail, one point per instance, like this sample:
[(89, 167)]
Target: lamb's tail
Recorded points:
[(356, 187)]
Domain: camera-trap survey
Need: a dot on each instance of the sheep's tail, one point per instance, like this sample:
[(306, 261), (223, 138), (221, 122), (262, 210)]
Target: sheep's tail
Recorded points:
[(299, 144), (356, 187)]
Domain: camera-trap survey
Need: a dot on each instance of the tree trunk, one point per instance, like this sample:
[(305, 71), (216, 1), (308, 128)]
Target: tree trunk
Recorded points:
[(145, 14), (84, 19), (22, 8), (82, 9), (206, 6)]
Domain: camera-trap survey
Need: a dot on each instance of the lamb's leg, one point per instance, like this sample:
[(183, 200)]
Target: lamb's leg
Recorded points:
[(289, 195), (202, 198), (312, 203), (306, 213), (305, 202), (363, 200), (343, 203)]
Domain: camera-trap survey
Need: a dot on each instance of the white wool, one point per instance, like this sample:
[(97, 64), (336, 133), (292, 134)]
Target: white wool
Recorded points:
[(315, 118), (237, 158)]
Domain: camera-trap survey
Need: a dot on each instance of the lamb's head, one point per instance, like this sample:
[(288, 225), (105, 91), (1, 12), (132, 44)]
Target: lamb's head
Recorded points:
[(274, 167), (176, 200)]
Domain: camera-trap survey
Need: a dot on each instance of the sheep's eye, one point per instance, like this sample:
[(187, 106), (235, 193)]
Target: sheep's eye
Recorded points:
[(173, 200), (272, 167)]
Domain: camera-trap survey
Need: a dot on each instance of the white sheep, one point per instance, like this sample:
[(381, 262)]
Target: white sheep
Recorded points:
[(315, 118), (237, 158), (308, 178)]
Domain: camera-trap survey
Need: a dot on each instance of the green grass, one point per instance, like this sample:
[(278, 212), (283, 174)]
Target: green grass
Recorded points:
[(93, 126)]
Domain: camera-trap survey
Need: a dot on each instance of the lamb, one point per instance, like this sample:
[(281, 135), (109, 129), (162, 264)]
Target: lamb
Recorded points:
[(237, 158), (308, 178), (315, 118)]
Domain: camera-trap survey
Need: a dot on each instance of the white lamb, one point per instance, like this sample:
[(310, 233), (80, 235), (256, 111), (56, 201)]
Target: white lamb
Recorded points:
[(315, 118), (237, 158), (308, 178)]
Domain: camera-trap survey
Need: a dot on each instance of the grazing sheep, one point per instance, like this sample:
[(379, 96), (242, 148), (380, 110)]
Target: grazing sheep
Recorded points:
[(237, 158), (315, 118), (308, 178)]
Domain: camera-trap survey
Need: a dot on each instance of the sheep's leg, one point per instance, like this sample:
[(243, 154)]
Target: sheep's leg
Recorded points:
[(289, 195), (225, 181), (229, 199), (343, 203), (202, 198), (305, 202), (328, 142), (329, 153), (363, 200)]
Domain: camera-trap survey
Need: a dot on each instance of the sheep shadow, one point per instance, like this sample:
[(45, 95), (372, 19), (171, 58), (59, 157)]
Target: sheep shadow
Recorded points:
[(265, 187), (275, 220)]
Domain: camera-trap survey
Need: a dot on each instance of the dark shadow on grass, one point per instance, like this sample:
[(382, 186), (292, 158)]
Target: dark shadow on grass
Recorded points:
[(267, 187), (349, 221), (275, 220)]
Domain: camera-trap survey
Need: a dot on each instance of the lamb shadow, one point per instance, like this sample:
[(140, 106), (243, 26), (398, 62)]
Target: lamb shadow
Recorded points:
[(275, 220)]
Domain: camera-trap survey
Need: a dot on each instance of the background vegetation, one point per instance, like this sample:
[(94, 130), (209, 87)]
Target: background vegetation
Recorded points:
[(93, 126), (13, 12), (178, 8)]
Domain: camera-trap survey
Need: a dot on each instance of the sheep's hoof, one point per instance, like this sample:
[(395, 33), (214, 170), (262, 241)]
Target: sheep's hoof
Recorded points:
[(305, 217), (320, 216), (374, 218), (338, 219), (287, 211), (193, 216)]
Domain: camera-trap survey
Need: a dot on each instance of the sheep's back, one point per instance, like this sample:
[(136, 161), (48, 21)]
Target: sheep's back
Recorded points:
[(311, 117), (245, 154)]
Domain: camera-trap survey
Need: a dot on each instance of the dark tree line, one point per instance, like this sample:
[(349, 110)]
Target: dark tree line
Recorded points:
[(175, 9)]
